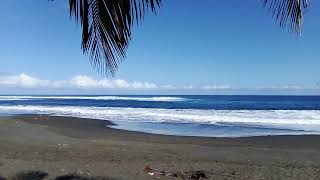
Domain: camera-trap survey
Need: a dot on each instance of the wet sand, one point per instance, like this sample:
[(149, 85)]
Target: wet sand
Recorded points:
[(62, 145)]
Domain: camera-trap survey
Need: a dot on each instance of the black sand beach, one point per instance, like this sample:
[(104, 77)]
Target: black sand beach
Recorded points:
[(62, 145)]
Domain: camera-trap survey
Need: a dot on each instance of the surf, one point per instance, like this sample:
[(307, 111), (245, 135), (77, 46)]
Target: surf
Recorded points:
[(307, 120)]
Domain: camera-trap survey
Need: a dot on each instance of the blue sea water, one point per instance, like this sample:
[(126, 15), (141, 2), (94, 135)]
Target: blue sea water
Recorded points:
[(213, 116)]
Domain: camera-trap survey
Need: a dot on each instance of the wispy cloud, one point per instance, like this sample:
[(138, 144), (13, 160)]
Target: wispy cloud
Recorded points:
[(22, 81), (77, 82), (284, 87), (84, 82), (188, 87), (215, 87)]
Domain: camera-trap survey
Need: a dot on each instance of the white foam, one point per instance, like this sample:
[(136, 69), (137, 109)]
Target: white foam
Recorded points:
[(308, 120), (124, 98)]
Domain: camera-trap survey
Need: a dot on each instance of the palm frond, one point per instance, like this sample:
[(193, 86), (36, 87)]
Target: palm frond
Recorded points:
[(289, 13), (106, 28)]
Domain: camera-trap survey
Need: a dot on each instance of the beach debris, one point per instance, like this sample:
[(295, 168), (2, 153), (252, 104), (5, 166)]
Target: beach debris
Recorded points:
[(153, 172), (191, 175), (62, 145), (188, 175), (84, 173)]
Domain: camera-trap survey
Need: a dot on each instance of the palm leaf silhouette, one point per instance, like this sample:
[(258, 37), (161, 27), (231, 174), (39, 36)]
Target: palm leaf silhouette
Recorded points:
[(106, 28), (106, 25), (288, 13)]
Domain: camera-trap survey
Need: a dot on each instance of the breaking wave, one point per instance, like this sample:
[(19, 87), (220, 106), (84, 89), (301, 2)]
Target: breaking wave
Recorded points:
[(305, 120)]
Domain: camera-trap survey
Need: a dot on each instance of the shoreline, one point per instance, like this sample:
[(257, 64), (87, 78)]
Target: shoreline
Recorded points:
[(61, 145), (110, 125), (172, 128), (106, 127)]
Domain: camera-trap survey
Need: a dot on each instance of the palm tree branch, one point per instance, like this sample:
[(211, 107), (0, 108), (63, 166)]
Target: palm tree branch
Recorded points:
[(288, 13), (106, 28)]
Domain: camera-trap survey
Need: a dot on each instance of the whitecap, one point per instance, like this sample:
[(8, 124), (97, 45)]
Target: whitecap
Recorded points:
[(306, 120)]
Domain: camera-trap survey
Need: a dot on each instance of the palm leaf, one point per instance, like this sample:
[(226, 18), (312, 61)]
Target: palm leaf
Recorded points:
[(289, 13), (106, 28)]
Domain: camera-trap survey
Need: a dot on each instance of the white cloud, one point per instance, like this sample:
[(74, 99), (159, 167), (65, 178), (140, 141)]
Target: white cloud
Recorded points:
[(187, 87), (168, 86), (285, 87), (88, 83), (78, 82), (22, 80), (216, 87)]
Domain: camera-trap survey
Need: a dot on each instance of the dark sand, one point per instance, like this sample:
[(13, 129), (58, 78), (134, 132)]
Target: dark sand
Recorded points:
[(61, 145)]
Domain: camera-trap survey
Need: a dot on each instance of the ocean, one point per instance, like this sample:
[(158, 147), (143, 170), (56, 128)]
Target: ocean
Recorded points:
[(209, 116)]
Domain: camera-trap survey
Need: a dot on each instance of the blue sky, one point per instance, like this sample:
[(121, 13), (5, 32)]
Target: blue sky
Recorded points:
[(212, 47)]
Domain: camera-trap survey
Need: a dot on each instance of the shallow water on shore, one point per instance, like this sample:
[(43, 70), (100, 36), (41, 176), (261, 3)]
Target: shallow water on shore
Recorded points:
[(205, 130)]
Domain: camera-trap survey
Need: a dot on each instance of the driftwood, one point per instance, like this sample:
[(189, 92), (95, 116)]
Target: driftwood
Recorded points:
[(187, 175)]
